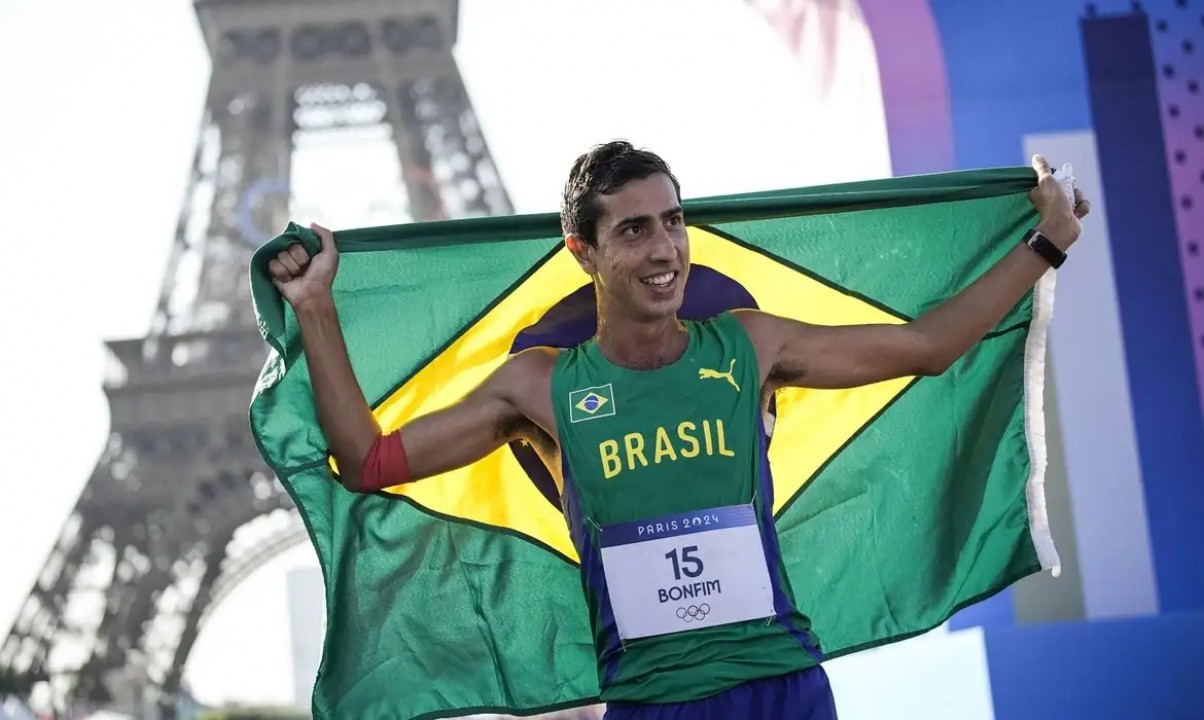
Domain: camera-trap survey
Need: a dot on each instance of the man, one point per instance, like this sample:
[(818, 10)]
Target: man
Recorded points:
[(677, 484)]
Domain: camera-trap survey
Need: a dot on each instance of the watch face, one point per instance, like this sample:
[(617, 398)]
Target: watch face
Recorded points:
[(265, 199)]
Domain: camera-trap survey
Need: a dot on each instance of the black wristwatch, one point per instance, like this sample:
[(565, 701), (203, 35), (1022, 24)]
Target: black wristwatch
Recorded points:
[(1044, 247)]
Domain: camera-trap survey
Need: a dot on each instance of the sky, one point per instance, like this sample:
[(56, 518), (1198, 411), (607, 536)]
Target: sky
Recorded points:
[(100, 111)]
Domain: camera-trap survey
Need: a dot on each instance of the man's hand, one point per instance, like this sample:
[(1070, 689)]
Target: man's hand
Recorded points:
[(1059, 221), (302, 279)]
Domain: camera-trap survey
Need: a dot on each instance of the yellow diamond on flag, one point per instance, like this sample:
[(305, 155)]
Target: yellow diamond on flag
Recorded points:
[(811, 426)]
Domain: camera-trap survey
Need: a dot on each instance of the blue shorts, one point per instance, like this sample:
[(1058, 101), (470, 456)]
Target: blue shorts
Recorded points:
[(802, 695)]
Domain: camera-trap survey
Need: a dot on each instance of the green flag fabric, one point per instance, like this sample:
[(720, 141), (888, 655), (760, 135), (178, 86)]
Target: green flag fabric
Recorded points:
[(896, 504)]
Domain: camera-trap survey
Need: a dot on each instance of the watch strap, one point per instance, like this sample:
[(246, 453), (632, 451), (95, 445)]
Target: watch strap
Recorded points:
[(1044, 247)]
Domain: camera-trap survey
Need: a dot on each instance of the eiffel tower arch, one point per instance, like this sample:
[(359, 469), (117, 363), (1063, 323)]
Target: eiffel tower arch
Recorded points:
[(180, 507)]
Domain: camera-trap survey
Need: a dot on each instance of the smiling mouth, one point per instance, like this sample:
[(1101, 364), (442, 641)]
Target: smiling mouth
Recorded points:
[(660, 280)]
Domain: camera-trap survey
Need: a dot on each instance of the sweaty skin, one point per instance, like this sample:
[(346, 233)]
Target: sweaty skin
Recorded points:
[(639, 266)]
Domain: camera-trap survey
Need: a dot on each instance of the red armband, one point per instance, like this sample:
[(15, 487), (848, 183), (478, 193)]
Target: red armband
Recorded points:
[(386, 464)]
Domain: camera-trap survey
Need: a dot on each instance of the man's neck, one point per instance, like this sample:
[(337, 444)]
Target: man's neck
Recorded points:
[(641, 345)]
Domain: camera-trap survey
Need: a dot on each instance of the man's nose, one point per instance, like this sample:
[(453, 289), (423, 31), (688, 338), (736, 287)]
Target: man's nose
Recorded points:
[(662, 246)]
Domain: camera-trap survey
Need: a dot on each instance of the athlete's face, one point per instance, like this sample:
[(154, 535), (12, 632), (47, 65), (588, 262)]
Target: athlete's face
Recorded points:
[(643, 255)]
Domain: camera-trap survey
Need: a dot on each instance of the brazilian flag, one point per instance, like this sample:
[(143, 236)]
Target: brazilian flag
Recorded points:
[(896, 504)]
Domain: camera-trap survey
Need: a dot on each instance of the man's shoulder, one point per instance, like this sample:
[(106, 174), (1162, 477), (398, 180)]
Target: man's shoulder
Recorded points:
[(531, 365), (762, 331), (747, 320), (754, 320)]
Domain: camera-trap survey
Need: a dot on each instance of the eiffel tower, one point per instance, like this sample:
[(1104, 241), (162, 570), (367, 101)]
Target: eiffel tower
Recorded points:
[(180, 507)]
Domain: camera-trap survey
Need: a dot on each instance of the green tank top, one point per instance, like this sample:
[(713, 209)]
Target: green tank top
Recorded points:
[(669, 501)]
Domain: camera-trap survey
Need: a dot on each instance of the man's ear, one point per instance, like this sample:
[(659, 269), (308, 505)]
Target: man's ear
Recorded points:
[(583, 252)]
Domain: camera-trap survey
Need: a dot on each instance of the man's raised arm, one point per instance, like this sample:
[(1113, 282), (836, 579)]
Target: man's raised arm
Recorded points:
[(368, 460), (794, 353)]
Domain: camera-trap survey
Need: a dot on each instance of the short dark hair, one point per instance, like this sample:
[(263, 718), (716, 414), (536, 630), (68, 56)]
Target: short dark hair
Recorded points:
[(601, 171)]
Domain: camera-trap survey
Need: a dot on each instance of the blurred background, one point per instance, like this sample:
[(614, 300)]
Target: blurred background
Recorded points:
[(150, 566)]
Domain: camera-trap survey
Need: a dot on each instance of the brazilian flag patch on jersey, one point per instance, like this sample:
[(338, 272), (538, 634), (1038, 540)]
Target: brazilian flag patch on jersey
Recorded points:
[(591, 403)]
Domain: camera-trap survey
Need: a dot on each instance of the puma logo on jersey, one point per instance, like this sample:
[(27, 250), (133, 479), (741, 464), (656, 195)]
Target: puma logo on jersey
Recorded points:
[(707, 373)]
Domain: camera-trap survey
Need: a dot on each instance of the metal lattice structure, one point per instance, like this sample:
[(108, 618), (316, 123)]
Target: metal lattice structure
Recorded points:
[(180, 507)]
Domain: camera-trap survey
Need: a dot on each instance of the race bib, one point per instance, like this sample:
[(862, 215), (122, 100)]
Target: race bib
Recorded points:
[(686, 571)]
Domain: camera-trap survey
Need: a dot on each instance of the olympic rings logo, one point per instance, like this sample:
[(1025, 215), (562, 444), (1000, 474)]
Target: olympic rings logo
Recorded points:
[(694, 612)]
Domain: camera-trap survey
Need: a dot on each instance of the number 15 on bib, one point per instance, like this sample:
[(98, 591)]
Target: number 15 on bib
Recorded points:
[(686, 571)]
